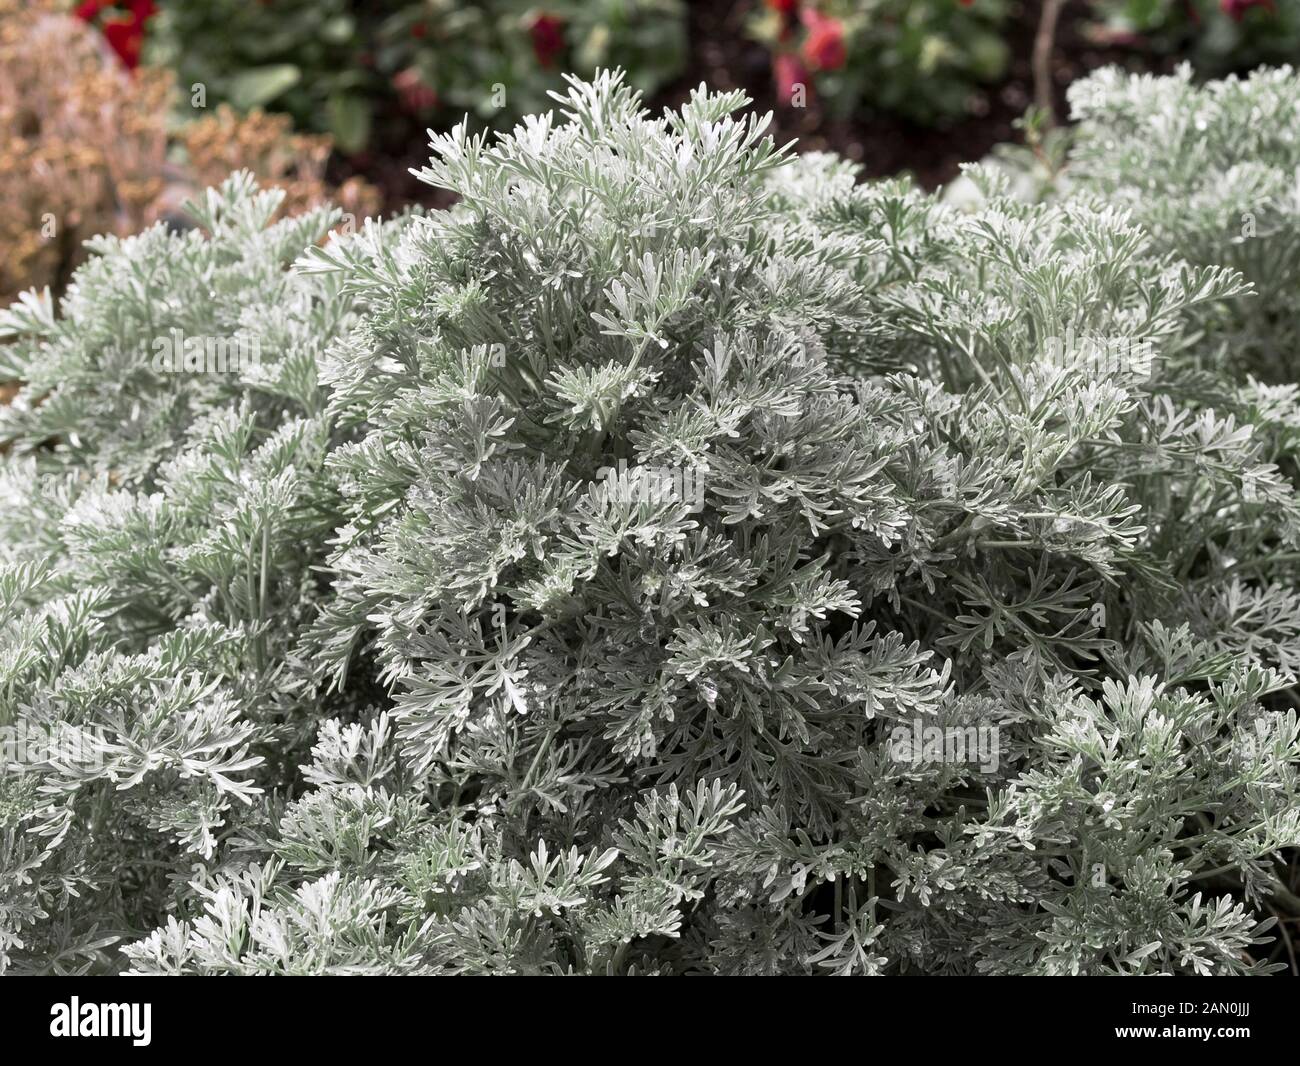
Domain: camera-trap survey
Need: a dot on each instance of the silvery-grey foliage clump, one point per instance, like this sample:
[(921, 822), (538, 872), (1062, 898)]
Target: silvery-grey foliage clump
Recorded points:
[(1213, 173), (375, 672)]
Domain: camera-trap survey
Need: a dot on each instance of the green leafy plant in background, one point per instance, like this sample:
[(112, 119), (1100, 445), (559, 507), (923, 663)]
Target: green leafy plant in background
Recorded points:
[(343, 66), (297, 56), (380, 659), (923, 59), (466, 53), (1217, 36)]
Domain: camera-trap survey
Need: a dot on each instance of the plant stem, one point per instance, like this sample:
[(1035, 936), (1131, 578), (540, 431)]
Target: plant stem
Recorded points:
[(1044, 42)]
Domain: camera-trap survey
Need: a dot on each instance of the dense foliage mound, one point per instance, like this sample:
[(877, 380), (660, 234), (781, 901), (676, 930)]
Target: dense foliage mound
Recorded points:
[(677, 558), (1213, 173)]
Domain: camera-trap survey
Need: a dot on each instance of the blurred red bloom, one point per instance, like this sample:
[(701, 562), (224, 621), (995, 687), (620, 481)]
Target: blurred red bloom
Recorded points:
[(413, 93), (547, 32), (124, 34), (126, 38), (824, 47), (783, 7), (1236, 9), (141, 10), (419, 30), (790, 73)]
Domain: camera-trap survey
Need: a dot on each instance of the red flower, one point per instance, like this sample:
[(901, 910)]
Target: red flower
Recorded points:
[(141, 10), (126, 38), (790, 74), (824, 49), (547, 32), (783, 7), (419, 30), (1236, 9), (414, 94), (125, 35)]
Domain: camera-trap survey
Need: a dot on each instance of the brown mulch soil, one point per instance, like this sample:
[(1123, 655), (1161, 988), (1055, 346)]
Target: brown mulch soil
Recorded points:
[(885, 144), (722, 55)]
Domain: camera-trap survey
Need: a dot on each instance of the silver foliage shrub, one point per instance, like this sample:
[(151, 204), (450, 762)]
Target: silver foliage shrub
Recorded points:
[(677, 558)]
